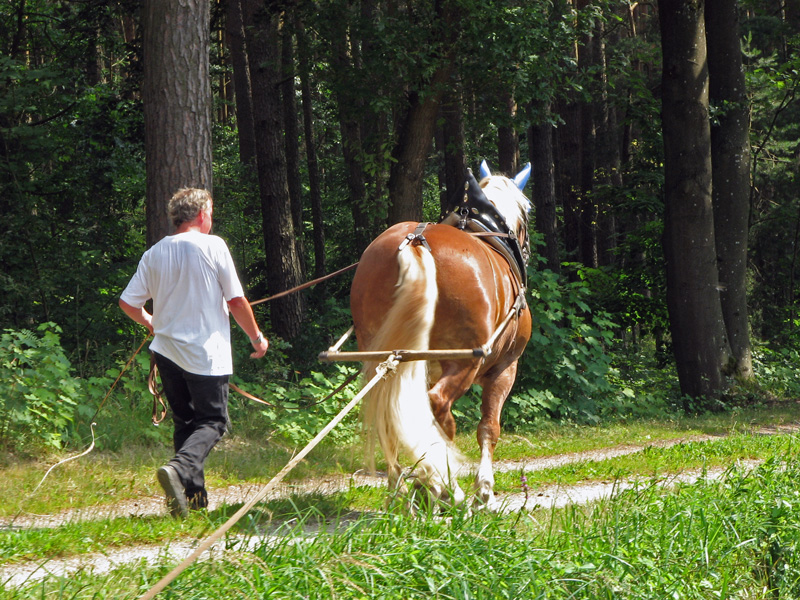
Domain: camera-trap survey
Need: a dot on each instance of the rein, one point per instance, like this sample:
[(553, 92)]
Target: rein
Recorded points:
[(305, 285)]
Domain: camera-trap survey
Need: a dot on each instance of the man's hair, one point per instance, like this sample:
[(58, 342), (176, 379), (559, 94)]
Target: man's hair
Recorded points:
[(186, 204)]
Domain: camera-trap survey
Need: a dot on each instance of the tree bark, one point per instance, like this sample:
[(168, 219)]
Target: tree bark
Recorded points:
[(177, 104), (415, 137), (543, 187), (455, 162), (417, 126), (292, 137), (730, 160), (693, 302), (349, 108), (314, 188), (507, 145), (241, 83), (282, 262), (587, 61), (568, 168)]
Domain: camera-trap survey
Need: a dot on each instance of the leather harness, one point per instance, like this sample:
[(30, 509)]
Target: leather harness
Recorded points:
[(476, 215)]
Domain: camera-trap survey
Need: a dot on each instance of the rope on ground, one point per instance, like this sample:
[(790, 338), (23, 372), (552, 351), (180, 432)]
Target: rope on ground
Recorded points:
[(61, 462), (385, 367), (66, 460)]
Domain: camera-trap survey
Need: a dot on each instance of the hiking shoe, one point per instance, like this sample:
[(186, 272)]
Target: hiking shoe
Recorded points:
[(173, 488)]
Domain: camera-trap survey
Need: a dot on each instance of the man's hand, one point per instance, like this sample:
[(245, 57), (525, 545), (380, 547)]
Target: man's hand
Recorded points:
[(243, 314), (260, 345)]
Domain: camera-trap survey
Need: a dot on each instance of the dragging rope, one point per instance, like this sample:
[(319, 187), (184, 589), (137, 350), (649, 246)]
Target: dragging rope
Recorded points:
[(61, 462), (385, 367)]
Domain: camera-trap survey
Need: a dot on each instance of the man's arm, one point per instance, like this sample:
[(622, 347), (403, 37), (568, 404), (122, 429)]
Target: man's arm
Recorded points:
[(140, 315), (243, 314)]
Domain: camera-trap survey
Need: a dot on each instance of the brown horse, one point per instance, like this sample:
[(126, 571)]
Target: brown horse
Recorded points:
[(442, 287)]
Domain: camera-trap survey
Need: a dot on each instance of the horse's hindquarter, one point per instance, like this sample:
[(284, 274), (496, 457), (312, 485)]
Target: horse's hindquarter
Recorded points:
[(476, 292), (373, 287)]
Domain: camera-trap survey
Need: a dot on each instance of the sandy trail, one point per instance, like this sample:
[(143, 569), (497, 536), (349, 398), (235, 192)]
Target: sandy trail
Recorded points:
[(554, 496)]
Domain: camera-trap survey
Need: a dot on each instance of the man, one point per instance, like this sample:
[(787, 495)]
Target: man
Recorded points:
[(192, 281)]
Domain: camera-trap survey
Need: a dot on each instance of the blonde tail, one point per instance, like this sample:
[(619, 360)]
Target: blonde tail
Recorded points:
[(398, 411)]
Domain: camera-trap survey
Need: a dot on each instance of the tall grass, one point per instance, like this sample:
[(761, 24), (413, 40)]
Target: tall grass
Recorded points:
[(735, 537)]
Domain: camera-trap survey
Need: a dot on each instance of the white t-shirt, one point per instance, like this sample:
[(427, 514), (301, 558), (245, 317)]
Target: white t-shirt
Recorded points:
[(190, 277)]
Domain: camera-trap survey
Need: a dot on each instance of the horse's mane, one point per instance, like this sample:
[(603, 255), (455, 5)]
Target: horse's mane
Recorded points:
[(510, 202)]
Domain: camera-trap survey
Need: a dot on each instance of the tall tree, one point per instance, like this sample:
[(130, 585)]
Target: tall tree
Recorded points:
[(177, 104), (347, 69), (507, 142), (312, 164), (291, 134), (234, 29), (418, 120), (452, 142), (730, 162), (693, 300), (283, 269), (540, 137)]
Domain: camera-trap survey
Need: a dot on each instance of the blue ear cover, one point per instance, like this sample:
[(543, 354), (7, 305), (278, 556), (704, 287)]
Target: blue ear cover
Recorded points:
[(522, 177), (485, 172)]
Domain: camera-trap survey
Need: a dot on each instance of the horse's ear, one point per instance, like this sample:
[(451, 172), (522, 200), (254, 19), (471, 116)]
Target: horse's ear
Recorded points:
[(522, 177), (485, 172)]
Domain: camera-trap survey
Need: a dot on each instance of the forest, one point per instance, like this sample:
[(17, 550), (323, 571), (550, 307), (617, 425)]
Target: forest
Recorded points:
[(663, 138)]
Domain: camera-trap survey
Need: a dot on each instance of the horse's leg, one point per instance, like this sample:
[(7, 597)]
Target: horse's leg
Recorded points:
[(453, 383), (496, 388)]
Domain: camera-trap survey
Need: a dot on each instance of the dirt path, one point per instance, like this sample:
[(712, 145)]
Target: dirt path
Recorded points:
[(552, 496), (555, 496)]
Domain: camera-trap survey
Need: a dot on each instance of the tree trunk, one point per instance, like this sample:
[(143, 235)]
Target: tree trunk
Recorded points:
[(507, 146), (730, 160), (415, 136), (177, 105), (292, 138), (455, 162), (568, 168), (587, 61), (241, 83), (543, 187), (282, 263), (693, 302), (314, 188), (349, 106)]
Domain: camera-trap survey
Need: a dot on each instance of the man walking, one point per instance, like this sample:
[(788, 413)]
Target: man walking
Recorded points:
[(192, 281)]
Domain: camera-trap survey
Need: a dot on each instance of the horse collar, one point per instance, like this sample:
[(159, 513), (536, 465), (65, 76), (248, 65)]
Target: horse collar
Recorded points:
[(476, 213)]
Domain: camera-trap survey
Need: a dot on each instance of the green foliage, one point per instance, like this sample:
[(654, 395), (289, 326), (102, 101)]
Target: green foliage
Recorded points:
[(562, 373), (298, 409), (37, 392), (774, 82), (776, 370)]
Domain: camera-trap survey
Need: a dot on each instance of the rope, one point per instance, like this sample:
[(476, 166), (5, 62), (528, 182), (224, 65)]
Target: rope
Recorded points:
[(388, 365), (346, 382), (305, 285), (125, 368), (61, 462)]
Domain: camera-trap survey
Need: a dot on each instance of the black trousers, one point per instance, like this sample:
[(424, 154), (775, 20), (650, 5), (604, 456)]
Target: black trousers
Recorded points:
[(199, 406)]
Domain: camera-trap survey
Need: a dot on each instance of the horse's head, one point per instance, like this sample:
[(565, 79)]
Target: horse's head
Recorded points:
[(506, 195)]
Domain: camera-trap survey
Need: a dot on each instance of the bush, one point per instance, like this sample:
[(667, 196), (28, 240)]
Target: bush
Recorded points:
[(563, 372), (37, 390)]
